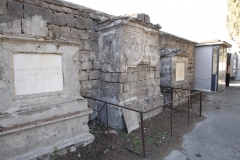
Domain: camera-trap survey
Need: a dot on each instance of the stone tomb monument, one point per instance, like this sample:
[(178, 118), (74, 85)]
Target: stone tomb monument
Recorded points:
[(41, 107), (129, 55)]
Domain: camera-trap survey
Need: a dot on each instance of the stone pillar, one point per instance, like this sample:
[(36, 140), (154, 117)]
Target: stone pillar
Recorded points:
[(129, 54)]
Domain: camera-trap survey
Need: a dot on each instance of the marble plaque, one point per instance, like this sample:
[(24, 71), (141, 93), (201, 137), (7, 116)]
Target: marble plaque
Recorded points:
[(180, 71), (131, 120), (37, 73)]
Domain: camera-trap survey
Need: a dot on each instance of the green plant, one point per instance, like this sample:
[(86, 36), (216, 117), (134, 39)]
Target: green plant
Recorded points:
[(56, 150), (137, 143), (150, 140)]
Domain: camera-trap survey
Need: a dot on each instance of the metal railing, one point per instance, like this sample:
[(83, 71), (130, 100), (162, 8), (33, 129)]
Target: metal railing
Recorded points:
[(143, 112)]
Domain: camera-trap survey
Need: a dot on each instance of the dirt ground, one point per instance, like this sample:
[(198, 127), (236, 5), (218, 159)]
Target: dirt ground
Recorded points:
[(157, 132)]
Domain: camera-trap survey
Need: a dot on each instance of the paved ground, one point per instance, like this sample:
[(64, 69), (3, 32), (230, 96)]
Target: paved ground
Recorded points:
[(218, 136)]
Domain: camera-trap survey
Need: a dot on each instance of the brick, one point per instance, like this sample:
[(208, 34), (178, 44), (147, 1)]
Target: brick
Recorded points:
[(84, 23), (70, 20), (130, 76), (93, 56), (134, 85), (83, 75), (104, 67), (15, 9), (60, 19), (94, 75)]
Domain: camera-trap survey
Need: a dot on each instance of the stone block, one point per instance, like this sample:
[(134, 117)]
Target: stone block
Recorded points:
[(96, 65), (135, 76), (83, 76), (123, 77), (157, 74), (55, 7), (66, 10), (56, 31), (83, 34), (94, 74), (151, 74), (30, 10), (95, 83), (139, 68), (15, 9), (74, 33), (46, 14), (34, 26), (70, 20), (141, 76), (65, 32), (146, 75), (104, 67), (86, 85), (108, 77), (94, 35), (130, 76), (60, 19), (146, 19), (126, 87), (138, 84), (90, 45), (115, 77), (84, 23), (134, 85), (3, 7), (84, 60), (144, 68), (93, 56), (140, 17)]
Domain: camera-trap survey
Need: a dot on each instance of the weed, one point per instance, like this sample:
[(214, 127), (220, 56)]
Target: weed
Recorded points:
[(56, 150), (137, 143), (150, 140)]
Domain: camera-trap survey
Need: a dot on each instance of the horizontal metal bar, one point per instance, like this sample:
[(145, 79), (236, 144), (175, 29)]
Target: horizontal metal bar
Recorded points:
[(142, 111), (113, 104)]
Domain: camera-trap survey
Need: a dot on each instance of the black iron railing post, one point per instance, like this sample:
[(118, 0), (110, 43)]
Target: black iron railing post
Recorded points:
[(107, 116), (200, 104), (188, 109), (171, 118), (143, 139)]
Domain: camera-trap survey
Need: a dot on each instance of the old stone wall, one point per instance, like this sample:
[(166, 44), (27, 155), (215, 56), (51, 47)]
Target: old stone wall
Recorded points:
[(48, 55), (175, 51)]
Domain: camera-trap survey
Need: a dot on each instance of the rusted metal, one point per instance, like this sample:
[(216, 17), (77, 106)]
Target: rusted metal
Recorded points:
[(188, 110), (143, 138), (142, 112)]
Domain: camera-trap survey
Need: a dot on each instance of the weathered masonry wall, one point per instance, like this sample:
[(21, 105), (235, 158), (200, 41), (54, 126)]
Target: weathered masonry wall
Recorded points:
[(129, 55), (48, 53), (177, 64), (53, 52)]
